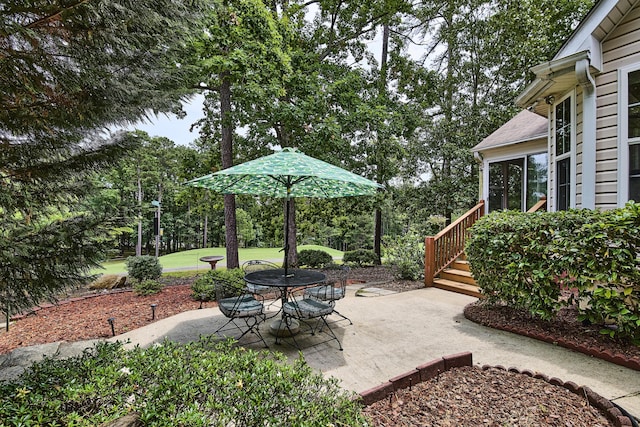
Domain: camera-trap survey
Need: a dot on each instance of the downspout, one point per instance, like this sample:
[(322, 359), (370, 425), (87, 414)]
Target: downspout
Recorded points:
[(481, 178), (588, 133)]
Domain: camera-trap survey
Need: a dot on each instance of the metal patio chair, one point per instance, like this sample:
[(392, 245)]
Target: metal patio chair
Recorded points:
[(307, 310), (257, 265), (334, 289), (236, 304)]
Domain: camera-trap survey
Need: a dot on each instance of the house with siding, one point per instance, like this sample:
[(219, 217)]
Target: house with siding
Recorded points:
[(577, 140), (575, 144)]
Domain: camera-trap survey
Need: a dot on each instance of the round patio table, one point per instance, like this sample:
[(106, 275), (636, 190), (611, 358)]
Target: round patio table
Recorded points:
[(295, 278)]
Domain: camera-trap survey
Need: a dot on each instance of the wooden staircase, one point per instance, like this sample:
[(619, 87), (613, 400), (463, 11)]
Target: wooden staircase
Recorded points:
[(458, 278), (445, 264)]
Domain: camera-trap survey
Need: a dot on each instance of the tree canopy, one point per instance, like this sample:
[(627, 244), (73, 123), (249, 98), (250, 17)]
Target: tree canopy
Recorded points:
[(71, 70)]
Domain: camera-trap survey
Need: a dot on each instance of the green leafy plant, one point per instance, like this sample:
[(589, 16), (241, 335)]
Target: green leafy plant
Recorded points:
[(147, 287), (203, 288), (314, 258), (406, 253), (196, 384), (144, 267), (360, 257), (526, 260)]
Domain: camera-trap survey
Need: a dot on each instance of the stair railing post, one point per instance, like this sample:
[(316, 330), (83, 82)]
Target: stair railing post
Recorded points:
[(429, 260)]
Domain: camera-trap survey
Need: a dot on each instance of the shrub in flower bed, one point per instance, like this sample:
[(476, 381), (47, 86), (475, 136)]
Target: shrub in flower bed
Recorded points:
[(203, 288), (196, 384), (314, 258), (526, 260)]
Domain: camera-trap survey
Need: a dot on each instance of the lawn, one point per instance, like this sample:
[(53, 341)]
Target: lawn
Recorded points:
[(191, 259)]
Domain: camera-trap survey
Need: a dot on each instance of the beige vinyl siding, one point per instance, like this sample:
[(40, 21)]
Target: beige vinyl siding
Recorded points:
[(620, 48), (578, 147), (551, 152)]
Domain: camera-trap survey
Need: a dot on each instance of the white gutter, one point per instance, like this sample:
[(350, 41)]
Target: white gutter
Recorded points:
[(588, 133), (545, 73)]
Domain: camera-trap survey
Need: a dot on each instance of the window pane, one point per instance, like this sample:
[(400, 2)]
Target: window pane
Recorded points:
[(563, 127), (634, 172), (536, 178), (563, 169), (505, 185), (496, 186), (634, 121), (634, 87)]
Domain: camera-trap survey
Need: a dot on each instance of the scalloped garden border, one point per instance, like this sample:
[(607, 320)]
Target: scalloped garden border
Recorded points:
[(434, 368)]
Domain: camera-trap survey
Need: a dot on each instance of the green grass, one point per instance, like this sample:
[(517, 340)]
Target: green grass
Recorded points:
[(191, 259)]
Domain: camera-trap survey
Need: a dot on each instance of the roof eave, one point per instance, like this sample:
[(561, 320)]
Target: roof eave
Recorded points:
[(545, 73)]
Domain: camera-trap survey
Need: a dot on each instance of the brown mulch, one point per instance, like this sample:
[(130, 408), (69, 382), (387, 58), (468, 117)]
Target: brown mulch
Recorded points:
[(454, 398), (471, 396)]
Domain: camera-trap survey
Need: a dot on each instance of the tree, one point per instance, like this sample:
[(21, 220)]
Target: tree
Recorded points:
[(71, 70), (242, 46)]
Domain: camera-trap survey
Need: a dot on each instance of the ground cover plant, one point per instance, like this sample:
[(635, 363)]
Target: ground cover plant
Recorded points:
[(202, 383)]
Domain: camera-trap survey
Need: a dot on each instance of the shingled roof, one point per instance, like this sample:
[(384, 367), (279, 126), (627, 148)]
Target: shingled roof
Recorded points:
[(525, 126)]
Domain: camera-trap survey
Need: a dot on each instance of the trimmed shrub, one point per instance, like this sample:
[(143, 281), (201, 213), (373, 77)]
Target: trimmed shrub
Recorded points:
[(148, 287), (196, 384), (314, 258), (526, 259), (360, 257), (203, 288), (406, 252), (145, 267)]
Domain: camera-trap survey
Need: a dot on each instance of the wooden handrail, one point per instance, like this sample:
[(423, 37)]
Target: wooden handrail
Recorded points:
[(542, 203), (443, 248)]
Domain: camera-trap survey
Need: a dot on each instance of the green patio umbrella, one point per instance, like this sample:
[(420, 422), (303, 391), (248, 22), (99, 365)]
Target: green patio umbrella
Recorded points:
[(287, 174)]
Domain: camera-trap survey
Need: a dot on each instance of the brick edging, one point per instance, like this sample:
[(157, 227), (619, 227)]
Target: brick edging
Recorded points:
[(608, 355), (419, 374), (434, 368), (610, 410)]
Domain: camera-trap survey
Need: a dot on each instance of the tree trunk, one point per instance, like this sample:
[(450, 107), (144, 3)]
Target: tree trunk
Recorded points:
[(139, 244), (377, 236), (226, 147)]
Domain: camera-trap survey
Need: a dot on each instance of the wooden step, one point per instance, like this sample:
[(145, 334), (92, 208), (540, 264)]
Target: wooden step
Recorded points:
[(461, 264), (461, 288), (458, 276)]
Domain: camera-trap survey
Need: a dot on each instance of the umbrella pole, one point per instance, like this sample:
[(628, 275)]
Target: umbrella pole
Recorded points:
[(286, 236)]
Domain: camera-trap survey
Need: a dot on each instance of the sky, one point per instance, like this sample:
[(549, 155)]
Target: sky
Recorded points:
[(173, 128)]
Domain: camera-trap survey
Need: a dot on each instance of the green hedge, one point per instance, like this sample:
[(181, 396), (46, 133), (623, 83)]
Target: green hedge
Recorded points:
[(196, 384), (314, 258), (203, 288), (360, 257), (526, 259)]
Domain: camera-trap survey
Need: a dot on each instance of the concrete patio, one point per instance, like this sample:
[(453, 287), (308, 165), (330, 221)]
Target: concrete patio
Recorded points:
[(392, 333)]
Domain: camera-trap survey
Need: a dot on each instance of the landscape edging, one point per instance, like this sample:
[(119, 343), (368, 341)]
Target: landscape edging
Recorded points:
[(434, 368), (609, 356)]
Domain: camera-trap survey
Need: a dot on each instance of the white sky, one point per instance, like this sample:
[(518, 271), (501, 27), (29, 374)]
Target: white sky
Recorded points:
[(173, 128)]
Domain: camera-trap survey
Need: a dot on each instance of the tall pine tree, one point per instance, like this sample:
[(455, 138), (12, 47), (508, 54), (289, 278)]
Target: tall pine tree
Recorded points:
[(71, 69)]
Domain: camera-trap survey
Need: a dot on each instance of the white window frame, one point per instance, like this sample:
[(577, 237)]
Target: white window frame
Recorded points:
[(571, 154), (623, 138), (503, 158)]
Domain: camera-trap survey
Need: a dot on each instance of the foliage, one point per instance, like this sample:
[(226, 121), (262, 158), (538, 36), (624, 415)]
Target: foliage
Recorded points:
[(360, 257), (406, 252), (144, 267), (147, 287), (526, 259), (71, 70), (196, 384), (314, 258), (203, 288)]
